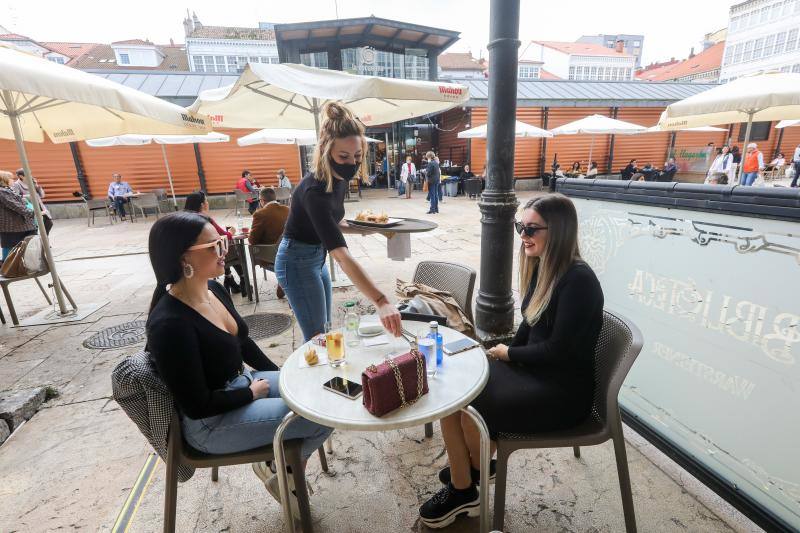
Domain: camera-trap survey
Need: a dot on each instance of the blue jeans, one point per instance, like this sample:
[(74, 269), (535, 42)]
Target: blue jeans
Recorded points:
[(252, 425), (434, 195), (119, 205), (748, 178), (301, 271)]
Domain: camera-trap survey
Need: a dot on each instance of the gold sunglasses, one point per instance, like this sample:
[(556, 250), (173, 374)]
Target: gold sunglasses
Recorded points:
[(220, 246)]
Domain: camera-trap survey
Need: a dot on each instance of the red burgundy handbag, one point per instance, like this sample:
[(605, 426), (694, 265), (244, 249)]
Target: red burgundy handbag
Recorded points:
[(395, 383)]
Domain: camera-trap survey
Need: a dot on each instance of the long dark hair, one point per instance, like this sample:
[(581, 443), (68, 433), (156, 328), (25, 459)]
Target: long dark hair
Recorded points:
[(194, 201), (560, 251), (169, 239)]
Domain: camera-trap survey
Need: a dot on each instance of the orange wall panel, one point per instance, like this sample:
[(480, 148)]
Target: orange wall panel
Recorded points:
[(527, 152), (450, 146), (570, 148), (141, 166), (51, 165), (644, 147), (223, 162)]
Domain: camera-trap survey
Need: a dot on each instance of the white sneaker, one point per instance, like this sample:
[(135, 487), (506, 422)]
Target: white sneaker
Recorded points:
[(273, 487)]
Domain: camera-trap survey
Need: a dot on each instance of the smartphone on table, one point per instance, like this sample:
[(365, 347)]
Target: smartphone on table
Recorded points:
[(461, 345), (343, 387)]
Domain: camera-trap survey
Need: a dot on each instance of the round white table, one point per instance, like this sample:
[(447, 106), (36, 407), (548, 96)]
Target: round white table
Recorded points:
[(458, 381)]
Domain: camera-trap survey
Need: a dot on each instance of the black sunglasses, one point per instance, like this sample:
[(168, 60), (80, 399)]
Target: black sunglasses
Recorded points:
[(530, 231)]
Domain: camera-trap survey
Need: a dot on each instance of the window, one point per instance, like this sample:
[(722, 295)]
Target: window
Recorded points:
[(768, 44), (726, 60), (610, 44), (209, 60), (763, 15), (528, 72), (786, 68), (759, 132), (274, 60), (197, 61), (734, 24), (637, 44), (593, 73), (737, 53), (791, 41), (780, 42), (572, 73), (748, 51), (124, 59), (56, 59), (607, 73), (627, 73), (758, 49), (796, 68), (253, 59), (220, 64)]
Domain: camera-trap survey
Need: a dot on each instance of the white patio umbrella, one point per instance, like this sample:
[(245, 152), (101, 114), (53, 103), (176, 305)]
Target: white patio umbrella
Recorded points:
[(291, 96), (284, 136), (657, 129), (761, 97), (39, 97), (139, 140), (787, 124), (521, 129), (598, 125)]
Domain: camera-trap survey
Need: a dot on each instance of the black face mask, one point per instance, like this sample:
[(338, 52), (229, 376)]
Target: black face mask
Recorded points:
[(345, 170)]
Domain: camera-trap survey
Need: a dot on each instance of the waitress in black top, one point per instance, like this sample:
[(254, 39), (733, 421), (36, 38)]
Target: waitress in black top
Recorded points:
[(200, 345), (316, 226), (545, 380)]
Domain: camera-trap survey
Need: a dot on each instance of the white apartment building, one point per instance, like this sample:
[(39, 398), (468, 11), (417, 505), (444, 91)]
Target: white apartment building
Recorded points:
[(226, 48), (762, 36), (580, 61)]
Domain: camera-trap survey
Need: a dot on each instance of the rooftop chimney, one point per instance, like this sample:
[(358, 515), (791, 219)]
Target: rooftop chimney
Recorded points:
[(619, 46), (691, 53)]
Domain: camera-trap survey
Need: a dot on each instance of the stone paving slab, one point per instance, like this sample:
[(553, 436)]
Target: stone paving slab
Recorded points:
[(72, 466)]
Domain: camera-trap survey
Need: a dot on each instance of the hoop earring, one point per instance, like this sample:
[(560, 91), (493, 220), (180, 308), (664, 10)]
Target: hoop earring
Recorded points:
[(188, 271)]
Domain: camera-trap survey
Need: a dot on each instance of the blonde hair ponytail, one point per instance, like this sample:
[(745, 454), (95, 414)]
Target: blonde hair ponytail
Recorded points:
[(338, 122)]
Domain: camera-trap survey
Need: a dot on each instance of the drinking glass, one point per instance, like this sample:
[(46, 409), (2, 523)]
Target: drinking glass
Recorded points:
[(427, 347), (334, 345)]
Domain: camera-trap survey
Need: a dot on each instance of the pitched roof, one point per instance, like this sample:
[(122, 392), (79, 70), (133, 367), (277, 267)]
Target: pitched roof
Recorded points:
[(706, 61), (459, 61), (102, 56), (581, 49), (547, 75), (14, 37), (134, 41), (232, 32), (71, 50)]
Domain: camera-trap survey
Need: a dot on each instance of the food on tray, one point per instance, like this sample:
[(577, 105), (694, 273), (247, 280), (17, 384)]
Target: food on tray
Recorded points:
[(311, 357), (368, 216)]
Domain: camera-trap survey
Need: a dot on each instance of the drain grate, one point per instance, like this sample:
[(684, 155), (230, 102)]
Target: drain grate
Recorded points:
[(117, 336), (263, 325)]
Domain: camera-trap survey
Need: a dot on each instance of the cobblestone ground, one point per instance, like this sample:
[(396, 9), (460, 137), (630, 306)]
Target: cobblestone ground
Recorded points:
[(72, 466)]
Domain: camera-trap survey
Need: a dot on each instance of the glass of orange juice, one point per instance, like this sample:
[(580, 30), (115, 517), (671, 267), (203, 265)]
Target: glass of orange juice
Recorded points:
[(334, 345)]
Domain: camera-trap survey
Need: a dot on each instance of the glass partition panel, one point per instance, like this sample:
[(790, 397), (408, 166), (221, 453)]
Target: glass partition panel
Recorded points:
[(717, 298)]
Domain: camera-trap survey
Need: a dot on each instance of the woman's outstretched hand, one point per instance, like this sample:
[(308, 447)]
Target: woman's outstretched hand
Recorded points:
[(390, 317), (259, 388)]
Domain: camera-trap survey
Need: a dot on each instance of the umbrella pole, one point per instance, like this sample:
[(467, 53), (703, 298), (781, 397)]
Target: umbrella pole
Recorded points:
[(37, 211), (739, 171), (591, 149), (169, 176)]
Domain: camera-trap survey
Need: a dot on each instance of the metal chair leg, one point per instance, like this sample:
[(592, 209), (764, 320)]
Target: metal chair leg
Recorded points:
[(577, 451), (170, 496), (295, 461), (46, 296), (328, 444), (323, 461), (429, 430), (214, 473), (500, 488), (624, 478), (10, 305), (254, 277)]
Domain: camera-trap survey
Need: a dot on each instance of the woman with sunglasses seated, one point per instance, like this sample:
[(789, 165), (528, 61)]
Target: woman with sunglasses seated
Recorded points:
[(544, 381), (199, 344)]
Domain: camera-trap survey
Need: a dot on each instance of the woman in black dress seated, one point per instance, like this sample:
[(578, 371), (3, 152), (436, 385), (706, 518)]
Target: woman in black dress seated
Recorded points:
[(544, 381), (199, 344)]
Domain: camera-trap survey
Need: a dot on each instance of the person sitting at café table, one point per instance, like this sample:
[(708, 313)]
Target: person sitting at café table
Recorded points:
[(200, 344), (629, 170), (283, 179), (197, 202), (465, 175), (669, 170), (246, 184), (269, 220), (592, 169), (576, 168), (21, 188), (119, 193), (779, 161), (543, 381)]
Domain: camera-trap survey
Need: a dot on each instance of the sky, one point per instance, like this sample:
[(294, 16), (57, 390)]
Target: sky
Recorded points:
[(670, 28)]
